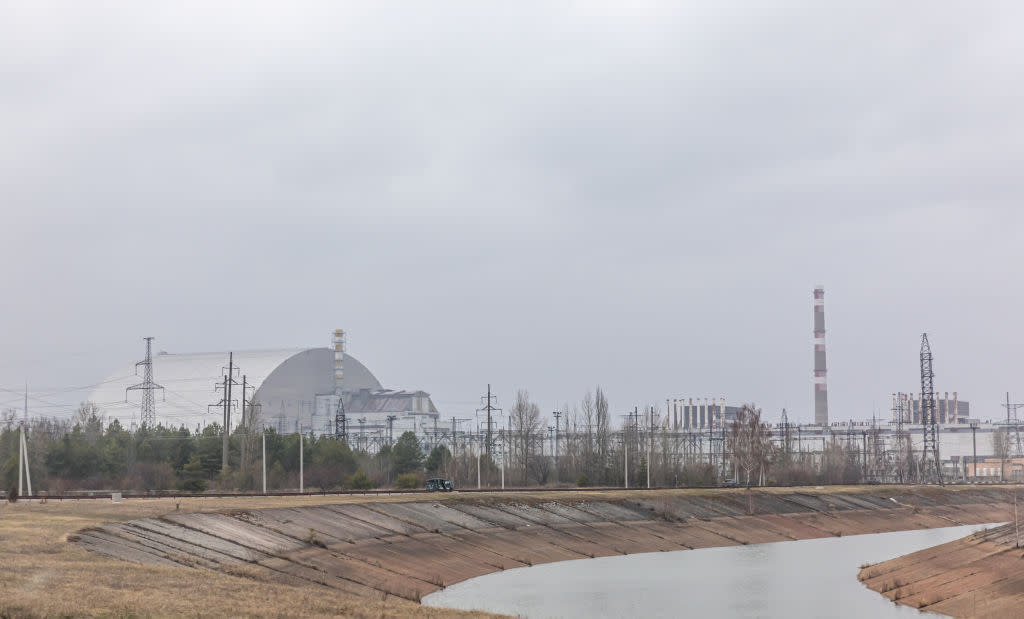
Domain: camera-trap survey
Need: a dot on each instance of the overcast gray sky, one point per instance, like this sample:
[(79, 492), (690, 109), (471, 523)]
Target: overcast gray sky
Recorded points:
[(549, 196)]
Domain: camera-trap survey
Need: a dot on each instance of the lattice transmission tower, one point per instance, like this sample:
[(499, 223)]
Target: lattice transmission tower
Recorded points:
[(340, 418), (1012, 421), (147, 386), (931, 465)]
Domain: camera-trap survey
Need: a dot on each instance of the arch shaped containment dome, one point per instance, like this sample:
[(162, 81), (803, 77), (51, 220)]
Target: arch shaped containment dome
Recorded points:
[(286, 383)]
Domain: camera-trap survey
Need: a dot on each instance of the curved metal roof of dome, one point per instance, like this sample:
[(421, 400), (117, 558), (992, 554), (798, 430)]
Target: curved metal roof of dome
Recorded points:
[(190, 383)]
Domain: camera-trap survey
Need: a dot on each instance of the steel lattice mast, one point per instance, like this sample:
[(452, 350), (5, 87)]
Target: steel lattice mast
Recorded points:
[(147, 386), (931, 465), (340, 419)]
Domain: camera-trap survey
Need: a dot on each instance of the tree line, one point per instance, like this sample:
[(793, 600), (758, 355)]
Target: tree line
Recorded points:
[(88, 452)]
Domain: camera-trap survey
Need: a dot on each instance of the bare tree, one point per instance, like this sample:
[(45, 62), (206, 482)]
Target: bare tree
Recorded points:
[(251, 434), (524, 418), (90, 419), (602, 434), (750, 443), (589, 453), (1001, 449), (9, 418)]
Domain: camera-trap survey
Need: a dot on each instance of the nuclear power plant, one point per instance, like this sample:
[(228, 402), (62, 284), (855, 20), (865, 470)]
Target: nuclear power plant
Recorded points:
[(290, 390)]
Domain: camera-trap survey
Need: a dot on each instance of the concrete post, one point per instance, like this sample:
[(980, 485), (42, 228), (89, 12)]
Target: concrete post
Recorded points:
[(28, 474), (21, 458), (625, 457)]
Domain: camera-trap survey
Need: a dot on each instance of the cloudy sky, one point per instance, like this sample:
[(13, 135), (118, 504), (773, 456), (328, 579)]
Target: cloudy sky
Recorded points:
[(550, 196)]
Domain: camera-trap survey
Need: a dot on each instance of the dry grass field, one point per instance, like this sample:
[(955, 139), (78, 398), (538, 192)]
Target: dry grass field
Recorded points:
[(41, 574)]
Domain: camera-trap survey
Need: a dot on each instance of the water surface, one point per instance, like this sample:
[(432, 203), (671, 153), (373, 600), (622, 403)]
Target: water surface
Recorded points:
[(807, 578)]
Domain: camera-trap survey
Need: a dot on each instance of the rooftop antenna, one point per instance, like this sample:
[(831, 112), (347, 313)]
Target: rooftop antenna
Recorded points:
[(147, 387)]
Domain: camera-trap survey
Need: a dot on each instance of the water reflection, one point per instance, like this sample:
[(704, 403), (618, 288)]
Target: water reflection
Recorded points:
[(809, 578)]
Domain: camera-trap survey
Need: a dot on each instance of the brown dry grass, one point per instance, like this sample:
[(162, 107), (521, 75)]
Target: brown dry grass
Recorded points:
[(41, 574)]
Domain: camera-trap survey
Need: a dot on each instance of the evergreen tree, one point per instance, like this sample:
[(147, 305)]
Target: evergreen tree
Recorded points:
[(438, 458), (407, 456), (193, 475)]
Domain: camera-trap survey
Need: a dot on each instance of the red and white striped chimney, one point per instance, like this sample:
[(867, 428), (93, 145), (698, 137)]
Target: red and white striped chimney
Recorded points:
[(820, 371)]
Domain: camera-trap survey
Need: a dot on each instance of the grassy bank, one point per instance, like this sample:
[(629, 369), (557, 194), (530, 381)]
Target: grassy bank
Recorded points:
[(41, 574)]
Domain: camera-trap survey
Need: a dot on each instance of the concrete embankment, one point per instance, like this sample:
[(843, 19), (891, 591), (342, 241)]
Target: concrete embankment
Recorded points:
[(410, 548), (981, 575)]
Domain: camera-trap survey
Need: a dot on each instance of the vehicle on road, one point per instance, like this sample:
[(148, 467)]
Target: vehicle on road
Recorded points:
[(730, 483), (436, 484)]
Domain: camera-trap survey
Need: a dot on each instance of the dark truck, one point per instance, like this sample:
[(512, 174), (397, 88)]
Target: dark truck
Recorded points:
[(437, 484)]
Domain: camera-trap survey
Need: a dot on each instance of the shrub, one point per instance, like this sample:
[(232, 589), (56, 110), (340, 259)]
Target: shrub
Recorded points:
[(408, 481), (194, 486), (582, 481), (360, 481)]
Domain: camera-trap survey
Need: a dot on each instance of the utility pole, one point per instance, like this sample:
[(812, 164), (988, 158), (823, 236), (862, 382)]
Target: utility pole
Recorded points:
[(21, 458), (864, 437), (490, 409), (229, 380), (147, 386), (625, 459), (302, 442), (24, 450), (558, 415), (650, 450), (974, 441), (246, 422), (724, 471), (264, 434), (23, 462)]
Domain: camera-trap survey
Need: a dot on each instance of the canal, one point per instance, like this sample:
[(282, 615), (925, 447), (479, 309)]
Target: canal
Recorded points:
[(807, 578)]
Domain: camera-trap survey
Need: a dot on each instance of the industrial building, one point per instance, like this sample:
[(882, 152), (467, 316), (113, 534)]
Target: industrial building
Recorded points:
[(947, 410), (690, 414), (290, 390)]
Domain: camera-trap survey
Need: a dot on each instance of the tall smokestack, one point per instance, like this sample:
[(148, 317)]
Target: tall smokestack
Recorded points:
[(339, 356), (820, 386)]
